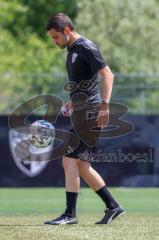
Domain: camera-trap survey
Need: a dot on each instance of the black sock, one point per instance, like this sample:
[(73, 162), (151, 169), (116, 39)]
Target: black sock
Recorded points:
[(107, 198), (71, 200)]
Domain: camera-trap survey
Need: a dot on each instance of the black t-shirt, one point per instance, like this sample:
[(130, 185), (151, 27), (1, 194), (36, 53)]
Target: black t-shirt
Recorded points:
[(83, 63)]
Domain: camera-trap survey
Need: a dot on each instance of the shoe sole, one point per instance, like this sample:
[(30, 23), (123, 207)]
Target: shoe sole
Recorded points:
[(68, 223), (64, 223)]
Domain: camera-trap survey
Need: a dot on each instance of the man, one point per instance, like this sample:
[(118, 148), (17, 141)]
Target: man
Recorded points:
[(84, 62)]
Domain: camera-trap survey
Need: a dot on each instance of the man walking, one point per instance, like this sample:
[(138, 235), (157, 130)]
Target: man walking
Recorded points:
[(84, 62)]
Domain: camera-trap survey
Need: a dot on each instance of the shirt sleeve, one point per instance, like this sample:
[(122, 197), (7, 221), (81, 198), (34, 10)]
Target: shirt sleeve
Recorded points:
[(94, 58)]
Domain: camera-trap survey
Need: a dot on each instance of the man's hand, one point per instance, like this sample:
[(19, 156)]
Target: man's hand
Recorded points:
[(103, 115), (66, 109)]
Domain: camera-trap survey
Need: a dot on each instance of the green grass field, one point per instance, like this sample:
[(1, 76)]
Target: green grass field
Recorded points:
[(23, 211)]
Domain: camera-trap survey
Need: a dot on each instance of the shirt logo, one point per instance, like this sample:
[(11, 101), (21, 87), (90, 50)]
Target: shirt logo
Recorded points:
[(74, 56)]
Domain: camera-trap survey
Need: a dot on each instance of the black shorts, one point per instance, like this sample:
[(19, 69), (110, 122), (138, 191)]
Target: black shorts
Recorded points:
[(87, 145), (83, 151)]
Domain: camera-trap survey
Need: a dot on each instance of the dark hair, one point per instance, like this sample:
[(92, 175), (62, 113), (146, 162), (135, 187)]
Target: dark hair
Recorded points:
[(59, 22)]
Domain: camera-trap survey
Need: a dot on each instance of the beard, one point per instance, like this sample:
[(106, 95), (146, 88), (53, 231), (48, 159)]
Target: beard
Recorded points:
[(63, 46), (65, 42)]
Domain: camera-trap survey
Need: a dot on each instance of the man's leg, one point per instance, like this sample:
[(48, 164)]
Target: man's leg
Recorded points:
[(72, 178), (72, 183), (95, 181)]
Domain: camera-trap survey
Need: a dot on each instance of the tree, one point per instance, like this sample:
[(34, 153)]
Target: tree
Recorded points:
[(26, 71), (20, 16), (39, 11), (30, 64), (126, 31)]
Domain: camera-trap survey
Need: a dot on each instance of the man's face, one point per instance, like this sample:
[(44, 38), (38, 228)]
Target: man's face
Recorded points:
[(60, 39)]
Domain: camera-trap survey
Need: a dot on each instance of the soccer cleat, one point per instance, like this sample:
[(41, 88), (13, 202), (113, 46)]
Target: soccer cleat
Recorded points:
[(63, 219), (111, 215)]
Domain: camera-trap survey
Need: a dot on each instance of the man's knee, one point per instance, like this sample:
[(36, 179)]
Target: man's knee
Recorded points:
[(83, 167)]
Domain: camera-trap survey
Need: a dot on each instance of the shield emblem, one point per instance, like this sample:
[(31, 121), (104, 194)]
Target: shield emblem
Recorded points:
[(74, 56), (35, 165)]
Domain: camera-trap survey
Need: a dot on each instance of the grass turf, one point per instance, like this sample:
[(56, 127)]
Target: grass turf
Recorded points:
[(23, 211)]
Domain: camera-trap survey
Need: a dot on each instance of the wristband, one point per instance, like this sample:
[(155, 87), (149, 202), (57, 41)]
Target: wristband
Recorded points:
[(105, 101)]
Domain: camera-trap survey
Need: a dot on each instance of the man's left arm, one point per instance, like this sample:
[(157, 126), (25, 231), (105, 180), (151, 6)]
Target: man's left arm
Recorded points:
[(107, 85)]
